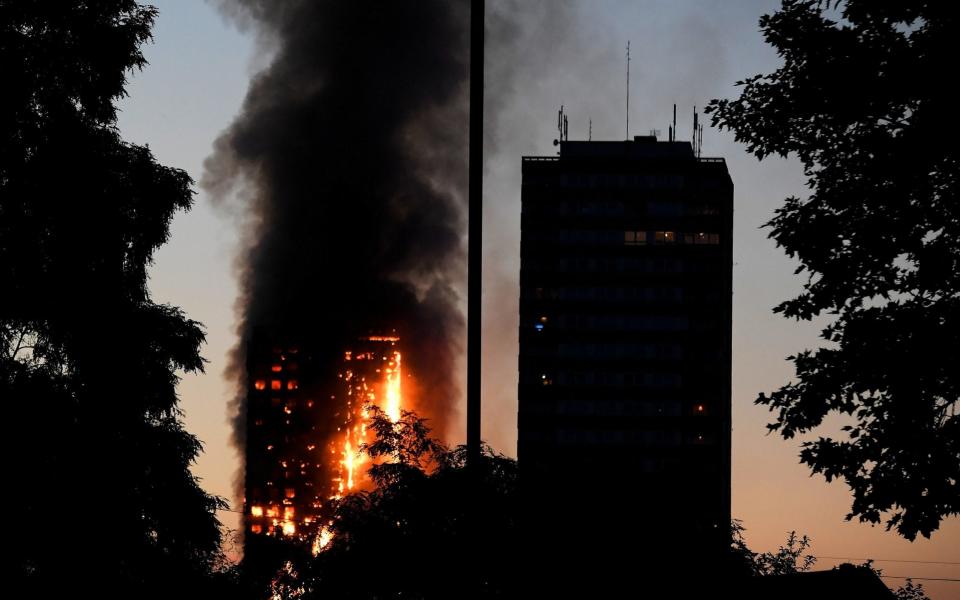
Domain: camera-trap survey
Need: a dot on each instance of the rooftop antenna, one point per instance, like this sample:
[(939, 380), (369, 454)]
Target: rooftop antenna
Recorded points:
[(561, 127), (590, 133), (673, 130), (628, 90), (566, 129), (696, 127)]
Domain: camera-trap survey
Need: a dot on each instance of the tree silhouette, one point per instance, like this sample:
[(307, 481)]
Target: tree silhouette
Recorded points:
[(98, 462), (862, 101), (411, 536)]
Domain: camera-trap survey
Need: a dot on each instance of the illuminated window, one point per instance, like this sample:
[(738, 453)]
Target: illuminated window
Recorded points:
[(256, 511), (292, 384), (700, 409), (276, 384), (256, 528), (665, 237), (276, 368), (288, 512), (260, 384)]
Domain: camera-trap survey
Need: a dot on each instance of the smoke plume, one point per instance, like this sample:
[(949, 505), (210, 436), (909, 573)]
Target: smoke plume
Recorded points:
[(348, 165)]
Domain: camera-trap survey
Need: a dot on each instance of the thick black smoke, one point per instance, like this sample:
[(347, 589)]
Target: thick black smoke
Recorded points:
[(349, 160)]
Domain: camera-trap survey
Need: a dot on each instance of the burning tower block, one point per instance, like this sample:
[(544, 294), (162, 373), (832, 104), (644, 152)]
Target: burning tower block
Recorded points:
[(302, 453), (283, 491)]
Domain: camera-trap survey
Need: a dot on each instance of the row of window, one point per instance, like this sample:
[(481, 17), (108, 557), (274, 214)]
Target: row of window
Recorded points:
[(653, 380), (611, 293), (619, 437), (275, 384), (626, 350), (583, 207), (613, 237), (622, 323), (606, 180), (621, 407), (616, 264)]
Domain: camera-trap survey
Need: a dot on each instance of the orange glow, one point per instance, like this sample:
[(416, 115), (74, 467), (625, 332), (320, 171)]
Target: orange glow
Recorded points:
[(260, 384), (292, 384), (322, 540), (256, 528), (288, 513), (700, 408), (276, 368), (392, 384), (276, 384), (256, 511), (380, 384), (289, 528), (272, 512)]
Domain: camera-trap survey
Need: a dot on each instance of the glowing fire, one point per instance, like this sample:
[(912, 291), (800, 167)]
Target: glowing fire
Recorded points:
[(366, 383)]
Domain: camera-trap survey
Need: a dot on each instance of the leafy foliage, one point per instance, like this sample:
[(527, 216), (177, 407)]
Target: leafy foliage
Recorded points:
[(787, 559), (862, 101), (88, 362), (431, 528)]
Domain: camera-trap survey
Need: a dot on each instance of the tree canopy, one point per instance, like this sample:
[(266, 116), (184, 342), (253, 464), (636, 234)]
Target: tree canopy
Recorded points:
[(95, 449), (863, 100)]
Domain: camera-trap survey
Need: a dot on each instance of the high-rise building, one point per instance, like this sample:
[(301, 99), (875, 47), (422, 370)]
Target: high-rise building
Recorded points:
[(625, 343), (306, 424)]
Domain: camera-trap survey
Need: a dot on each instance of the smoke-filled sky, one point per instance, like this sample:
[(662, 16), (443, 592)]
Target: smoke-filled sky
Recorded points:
[(541, 53)]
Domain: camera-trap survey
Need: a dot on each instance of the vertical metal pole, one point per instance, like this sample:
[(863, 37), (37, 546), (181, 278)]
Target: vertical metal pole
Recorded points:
[(475, 231)]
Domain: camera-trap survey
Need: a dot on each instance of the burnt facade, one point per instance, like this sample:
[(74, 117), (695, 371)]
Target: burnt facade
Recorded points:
[(625, 341), (283, 491)]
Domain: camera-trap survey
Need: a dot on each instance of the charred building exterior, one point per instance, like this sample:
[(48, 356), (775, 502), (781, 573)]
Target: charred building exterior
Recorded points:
[(625, 342), (284, 455)]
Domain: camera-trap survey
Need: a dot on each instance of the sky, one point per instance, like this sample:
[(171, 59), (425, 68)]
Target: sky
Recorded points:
[(540, 55)]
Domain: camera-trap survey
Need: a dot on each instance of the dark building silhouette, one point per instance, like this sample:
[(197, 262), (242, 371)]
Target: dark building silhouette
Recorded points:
[(625, 341)]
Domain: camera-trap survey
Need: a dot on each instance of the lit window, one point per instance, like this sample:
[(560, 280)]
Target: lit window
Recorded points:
[(276, 384), (256, 511), (276, 368), (292, 384), (665, 237), (288, 510), (289, 528), (260, 384), (256, 528), (701, 408)]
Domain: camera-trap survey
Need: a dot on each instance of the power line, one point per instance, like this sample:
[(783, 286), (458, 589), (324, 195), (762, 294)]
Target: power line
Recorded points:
[(899, 560), (921, 578)]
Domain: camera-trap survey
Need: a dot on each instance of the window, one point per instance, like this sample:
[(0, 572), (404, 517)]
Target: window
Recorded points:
[(634, 238), (260, 384), (292, 384), (276, 384), (276, 368), (665, 237)]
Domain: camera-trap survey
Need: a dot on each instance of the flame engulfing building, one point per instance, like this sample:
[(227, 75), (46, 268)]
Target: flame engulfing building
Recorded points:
[(305, 430), (625, 343)]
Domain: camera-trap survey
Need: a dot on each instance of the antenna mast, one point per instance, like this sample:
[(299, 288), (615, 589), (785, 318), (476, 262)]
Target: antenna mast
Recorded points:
[(628, 90)]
